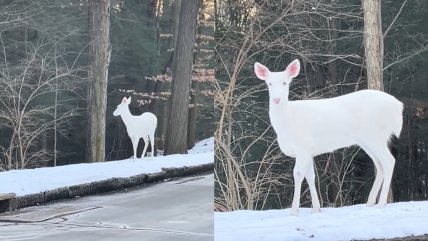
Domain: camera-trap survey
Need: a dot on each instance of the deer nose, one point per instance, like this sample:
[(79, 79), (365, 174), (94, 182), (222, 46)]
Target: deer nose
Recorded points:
[(276, 100)]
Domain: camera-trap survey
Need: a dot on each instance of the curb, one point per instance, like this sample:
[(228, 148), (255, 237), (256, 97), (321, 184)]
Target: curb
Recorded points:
[(112, 184)]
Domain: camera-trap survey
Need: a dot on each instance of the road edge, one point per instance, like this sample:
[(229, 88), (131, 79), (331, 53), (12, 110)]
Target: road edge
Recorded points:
[(108, 185)]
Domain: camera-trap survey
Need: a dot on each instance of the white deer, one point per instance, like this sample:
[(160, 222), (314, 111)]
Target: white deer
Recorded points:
[(142, 126), (307, 128)]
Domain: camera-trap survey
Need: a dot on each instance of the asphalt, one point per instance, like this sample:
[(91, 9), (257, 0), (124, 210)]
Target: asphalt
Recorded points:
[(176, 210)]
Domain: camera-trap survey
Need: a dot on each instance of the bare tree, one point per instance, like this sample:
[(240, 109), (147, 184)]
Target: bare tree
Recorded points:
[(29, 103), (176, 138), (99, 53)]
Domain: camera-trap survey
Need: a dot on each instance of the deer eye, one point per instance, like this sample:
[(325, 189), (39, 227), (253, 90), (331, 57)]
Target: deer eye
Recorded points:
[(270, 84), (284, 83)]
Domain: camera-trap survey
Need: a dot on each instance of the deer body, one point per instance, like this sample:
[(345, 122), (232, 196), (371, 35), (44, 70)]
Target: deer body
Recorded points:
[(142, 126), (307, 128), (325, 125)]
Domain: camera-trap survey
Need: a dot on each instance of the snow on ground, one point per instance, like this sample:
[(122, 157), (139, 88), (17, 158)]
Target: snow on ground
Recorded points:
[(203, 146), (30, 181), (356, 222)]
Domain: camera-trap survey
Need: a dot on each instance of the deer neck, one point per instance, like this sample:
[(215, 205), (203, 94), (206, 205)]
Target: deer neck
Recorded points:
[(278, 114), (279, 108), (126, 117)]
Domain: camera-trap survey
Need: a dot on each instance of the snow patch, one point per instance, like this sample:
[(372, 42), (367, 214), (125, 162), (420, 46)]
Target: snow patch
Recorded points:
[(203, 146), (346, 223)]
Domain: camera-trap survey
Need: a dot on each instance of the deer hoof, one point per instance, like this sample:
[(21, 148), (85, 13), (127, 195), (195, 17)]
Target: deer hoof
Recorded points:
[(316, 210), (380, 206), (294, 212)]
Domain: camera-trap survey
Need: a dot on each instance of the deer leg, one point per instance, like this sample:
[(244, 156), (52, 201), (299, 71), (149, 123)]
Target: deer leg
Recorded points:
[(374, 192), (378, 180), (146, 143), (388, 163), (310, 178), (299, 172), (135, 145)]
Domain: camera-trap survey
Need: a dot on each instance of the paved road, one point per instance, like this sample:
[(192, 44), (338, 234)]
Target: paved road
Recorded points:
[(172, 211)]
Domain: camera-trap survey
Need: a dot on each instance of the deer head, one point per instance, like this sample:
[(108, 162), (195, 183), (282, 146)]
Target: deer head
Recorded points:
[(123, 107), (278, 82)]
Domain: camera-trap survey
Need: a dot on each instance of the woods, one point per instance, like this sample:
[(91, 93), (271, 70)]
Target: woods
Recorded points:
[(343, 46), (66, 65)]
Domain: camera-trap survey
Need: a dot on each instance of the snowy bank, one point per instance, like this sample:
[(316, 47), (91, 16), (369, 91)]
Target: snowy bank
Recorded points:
[(356, 222), (31, 181)]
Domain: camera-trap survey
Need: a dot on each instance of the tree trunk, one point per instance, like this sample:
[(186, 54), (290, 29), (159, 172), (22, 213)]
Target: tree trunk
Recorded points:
[(193, 111), (373, 43), (157, 22), (99, 59), (176, 138), (162, 106), (373, 47), (177, 11)]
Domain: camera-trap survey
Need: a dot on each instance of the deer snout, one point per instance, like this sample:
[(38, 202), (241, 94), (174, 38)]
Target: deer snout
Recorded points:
[(276, 100)]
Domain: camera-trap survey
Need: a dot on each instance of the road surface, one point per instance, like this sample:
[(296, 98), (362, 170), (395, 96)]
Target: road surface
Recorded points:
[(177, 210)]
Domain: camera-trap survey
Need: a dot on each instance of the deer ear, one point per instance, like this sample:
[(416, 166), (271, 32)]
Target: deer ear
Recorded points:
[(129, 100), (293, 68), (124, 100), (261, 71)]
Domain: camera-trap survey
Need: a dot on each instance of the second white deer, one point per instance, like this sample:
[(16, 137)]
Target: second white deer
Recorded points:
[(142, 126), (308, 128)]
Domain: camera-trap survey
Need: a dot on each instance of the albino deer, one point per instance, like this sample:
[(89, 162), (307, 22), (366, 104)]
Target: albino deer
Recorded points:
[(307, 128), (142, 126)]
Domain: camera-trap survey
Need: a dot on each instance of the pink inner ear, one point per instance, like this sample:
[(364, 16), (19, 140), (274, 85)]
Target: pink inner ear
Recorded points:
[(292, 70), (261, 71), (124, 100)]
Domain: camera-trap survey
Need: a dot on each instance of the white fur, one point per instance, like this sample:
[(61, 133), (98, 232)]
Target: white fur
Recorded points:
[(308, 128), (142, 126)]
